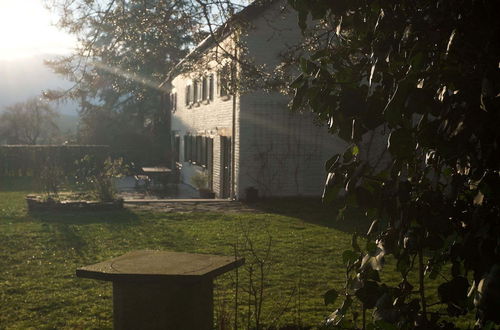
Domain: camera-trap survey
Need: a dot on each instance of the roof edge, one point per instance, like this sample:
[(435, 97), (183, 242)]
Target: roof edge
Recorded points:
[(248, 13)]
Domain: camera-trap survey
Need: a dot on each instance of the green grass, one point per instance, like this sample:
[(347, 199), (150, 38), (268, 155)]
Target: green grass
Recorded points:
[(40, 253)]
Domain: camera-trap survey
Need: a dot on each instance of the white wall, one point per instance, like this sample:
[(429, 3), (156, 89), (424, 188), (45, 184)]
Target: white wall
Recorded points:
[(277, 152), (207, 118), (282, 153)]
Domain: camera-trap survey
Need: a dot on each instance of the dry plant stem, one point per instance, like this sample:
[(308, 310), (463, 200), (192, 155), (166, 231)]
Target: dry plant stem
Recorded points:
[(421, 283), (250, 285), (237, 284), (364, 317)]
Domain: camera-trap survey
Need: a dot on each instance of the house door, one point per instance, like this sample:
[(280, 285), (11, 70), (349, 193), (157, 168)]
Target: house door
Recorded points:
[(226, 166)]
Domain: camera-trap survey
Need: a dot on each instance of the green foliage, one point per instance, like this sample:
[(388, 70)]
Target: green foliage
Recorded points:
[(30, 122), (41, 252), (126, 50), (51, 178), (200, 180), (414, 86), (97, 175)]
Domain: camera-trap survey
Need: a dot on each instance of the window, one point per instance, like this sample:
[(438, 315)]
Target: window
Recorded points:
[(195, 90), (200, 91), (204, 89), (176, 148), (173, 101), (198, 149), (224, 79), (189, 92)]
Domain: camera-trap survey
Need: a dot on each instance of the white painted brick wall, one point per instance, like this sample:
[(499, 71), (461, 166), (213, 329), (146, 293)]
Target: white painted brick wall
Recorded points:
[(283, 154), (277, 152)]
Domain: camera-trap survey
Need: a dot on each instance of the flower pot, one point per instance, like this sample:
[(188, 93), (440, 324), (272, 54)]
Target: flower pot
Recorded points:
[(206, 193)]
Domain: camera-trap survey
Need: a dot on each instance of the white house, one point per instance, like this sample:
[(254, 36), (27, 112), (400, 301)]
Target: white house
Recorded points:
[(246, 139)]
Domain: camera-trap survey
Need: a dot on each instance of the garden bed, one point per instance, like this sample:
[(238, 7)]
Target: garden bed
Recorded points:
[(39, 203)]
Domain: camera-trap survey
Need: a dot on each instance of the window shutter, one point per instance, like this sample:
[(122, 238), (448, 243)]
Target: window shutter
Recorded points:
[(193, 148), (204, 89), (211, 87), (188, 94), (173, 102), (195, 90)]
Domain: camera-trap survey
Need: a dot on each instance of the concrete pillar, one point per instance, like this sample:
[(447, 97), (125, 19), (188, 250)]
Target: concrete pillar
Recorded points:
[(173, 304)]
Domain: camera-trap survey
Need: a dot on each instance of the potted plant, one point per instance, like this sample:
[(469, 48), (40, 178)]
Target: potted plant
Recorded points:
[(200, 182)]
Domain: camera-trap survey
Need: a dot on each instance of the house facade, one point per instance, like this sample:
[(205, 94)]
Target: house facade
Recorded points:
[(249, 139)]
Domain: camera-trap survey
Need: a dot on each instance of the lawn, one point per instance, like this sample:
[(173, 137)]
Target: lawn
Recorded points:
[(38, 288), (296, 244)]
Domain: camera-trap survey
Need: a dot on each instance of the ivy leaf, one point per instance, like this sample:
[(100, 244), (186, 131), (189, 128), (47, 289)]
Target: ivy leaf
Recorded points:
[(354, 243), (298, 99), (349, 256), (330, 296), (299, 81), (403, 264), (401, 144), (371, 247), (330, 163), (364, 197), (454, 291), (338, 315), (369, 294)]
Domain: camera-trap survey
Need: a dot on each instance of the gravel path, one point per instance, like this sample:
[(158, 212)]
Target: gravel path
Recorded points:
[(194, 206)]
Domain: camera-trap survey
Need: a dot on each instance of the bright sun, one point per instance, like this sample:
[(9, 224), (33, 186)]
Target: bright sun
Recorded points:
[(26, 30)]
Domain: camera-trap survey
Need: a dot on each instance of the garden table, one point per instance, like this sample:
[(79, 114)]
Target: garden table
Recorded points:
[(157, 174), (161, 289)]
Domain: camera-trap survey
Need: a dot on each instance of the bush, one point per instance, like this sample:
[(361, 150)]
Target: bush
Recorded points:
[(97, 176), (29, 160), (200, 180), (51, 178)]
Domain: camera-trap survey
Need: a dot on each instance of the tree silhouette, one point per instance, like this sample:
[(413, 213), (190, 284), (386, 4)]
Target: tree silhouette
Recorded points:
[(415, 87)]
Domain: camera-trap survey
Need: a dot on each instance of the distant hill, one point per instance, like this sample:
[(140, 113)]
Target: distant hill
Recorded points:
[(28, 77)]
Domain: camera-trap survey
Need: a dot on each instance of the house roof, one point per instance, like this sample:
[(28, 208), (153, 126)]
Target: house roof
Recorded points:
[(246, 14)]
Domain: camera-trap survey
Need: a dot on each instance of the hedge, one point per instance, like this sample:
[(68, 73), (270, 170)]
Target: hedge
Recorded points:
[(29, 160)]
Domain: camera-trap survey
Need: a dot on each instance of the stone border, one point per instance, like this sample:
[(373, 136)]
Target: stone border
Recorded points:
[(36, 203)]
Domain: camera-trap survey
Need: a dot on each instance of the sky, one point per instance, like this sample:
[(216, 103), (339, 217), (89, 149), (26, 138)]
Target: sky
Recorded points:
[(26, 30), (27, 37)]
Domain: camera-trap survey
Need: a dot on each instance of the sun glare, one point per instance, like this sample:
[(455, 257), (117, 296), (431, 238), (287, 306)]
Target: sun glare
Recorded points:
[(26, 30)]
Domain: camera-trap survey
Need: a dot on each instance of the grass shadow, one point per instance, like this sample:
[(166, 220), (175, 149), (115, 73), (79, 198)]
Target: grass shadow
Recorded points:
[(122, 217), (12, 184), (314, 211)]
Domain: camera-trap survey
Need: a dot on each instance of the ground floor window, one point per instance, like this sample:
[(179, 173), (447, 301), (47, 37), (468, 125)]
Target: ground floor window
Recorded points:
[(198, 150)]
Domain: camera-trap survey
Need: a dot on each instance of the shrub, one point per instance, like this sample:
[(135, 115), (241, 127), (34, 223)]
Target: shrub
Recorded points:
[(51, 178), (200, 180), (97, 175)]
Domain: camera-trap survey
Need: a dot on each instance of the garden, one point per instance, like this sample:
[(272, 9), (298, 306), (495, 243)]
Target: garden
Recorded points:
[(42, 250), (293, 250)]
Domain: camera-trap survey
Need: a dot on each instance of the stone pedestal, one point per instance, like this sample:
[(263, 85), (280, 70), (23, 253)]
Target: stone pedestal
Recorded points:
[(160, 289)]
